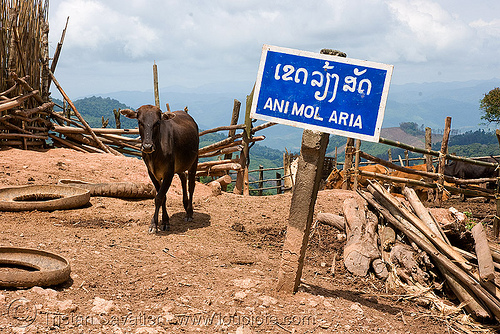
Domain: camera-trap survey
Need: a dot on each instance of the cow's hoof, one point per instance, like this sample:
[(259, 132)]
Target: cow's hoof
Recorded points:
[(188, 219), (164, 228), (152, 229)]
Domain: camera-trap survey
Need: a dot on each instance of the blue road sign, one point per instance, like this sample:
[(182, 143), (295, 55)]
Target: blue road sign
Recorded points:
[(320, 92)]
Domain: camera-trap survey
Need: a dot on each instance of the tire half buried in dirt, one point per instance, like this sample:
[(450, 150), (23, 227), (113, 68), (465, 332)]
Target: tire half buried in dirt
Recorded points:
[(24, 267), (42, 198)]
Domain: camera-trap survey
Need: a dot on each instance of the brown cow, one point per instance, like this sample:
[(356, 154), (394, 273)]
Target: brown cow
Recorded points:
[(336, 178), (398, 187), (169, 145)]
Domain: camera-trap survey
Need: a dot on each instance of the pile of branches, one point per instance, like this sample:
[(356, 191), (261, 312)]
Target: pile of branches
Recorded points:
[(400, 240), (19, 126)]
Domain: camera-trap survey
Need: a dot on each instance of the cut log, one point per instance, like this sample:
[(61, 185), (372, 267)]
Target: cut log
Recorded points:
[(331, 220), (361, 247), (114, 189), (483, 253), (224, 181), (462, 284), (404, 257)]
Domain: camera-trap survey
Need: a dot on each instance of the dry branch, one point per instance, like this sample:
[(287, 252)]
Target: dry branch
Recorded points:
[(85, 124), (467, 283)]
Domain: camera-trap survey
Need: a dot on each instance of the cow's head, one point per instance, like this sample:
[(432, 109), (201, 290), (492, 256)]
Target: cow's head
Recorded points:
[(149, 119)]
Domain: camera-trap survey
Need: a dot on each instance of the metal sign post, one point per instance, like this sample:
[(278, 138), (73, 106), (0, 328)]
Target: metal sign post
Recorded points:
[(322, 93)]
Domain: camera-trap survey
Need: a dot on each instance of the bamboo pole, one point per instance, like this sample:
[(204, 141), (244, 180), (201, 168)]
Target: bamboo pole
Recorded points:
[(433, 176), (57, 53), (89, 129), (68, 129), (231, 128), (434, 153)]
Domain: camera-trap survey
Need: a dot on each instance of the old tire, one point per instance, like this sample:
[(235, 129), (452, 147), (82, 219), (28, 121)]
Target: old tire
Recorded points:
[(42, 198), (45, 269)]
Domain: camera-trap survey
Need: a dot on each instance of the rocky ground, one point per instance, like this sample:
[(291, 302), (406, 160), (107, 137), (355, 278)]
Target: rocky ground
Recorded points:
[(216, 274)]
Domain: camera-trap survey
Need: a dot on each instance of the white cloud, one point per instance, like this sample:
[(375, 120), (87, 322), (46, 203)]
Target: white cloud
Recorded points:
[(100, 31), (426, 31), (195, 42)]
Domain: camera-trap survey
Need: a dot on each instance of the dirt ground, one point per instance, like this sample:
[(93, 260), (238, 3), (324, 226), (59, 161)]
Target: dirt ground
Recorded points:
[(216, 274)]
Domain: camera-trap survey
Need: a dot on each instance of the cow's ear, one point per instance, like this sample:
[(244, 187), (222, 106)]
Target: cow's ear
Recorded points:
[(167, 115), (129, 113)]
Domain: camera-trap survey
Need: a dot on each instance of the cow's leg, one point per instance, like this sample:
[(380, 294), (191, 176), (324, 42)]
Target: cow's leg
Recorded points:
[(160, 200), (185, 198), (154, 221), (191, 185)]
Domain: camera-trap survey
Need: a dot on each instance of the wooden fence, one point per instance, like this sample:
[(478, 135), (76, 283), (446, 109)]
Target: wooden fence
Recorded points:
[(427, 179)]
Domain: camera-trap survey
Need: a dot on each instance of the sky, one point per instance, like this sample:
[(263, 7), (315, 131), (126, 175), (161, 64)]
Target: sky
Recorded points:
[(111, 45)]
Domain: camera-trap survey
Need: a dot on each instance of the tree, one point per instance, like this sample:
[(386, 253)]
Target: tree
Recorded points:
[(490, 105)]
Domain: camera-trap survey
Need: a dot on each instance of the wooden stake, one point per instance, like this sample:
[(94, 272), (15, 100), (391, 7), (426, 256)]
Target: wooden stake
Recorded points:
[(428, 158), (496, 221), (234, 121), (442, 160), (356, 165), (155, 85), (349, 148)]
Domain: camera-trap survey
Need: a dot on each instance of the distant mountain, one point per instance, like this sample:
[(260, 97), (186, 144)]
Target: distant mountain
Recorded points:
[(426, 104)]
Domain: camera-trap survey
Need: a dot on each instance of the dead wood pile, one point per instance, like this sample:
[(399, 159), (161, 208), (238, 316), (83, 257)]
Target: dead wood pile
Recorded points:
[(402, 241)]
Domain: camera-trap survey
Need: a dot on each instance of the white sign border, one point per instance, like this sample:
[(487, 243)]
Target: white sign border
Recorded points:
[(351, 61)]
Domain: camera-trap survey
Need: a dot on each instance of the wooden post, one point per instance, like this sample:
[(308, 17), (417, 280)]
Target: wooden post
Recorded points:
[(389, 155), (155, 85), (356, 165), (287, 161), (349, 148), (428, 159), (496, 221), (335, 166), (57, 53), (308, 177), (278, 183), (407, 159), (442, 160), (234, 121), (242, 185), (261, 179), (247, 136), (117, 118)]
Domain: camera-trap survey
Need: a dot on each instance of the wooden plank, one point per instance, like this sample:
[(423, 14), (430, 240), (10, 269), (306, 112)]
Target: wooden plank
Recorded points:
[(483, 253)]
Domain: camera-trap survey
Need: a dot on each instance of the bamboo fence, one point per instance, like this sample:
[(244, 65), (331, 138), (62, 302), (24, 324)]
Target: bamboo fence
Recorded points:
[(24, 93)]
